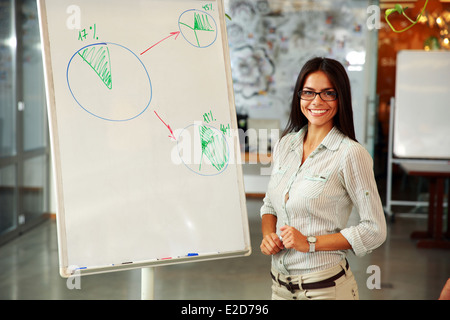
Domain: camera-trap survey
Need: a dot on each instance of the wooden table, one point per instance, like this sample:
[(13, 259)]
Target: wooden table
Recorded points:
[(433, 237), (261, 159)]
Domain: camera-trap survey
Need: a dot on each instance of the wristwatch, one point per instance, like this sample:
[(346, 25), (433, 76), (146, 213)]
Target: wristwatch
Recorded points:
[(312, 243)]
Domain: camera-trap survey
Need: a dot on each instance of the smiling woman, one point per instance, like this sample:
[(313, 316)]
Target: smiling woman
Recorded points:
[(318, 101), (320, 173), (331, 76)]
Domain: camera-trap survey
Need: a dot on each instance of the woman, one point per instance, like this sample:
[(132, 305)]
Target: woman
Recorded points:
[(319, 173)]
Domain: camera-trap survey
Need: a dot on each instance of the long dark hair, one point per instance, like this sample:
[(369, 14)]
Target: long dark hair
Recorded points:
[(337, 75)]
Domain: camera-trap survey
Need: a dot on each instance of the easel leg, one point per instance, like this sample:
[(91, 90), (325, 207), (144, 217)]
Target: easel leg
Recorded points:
[(147, 283)]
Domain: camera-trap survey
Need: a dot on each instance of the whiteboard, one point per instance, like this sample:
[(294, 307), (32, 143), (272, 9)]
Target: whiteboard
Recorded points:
[(422, 105), (142, 116)]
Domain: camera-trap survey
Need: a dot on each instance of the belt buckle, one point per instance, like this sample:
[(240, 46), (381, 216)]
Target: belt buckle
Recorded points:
[(290, 287)]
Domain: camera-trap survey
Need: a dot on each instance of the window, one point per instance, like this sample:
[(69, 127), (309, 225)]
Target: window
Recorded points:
[(24, 151)]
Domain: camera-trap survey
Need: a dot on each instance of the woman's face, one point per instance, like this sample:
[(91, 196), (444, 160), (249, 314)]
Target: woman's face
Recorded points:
[(319, 113)]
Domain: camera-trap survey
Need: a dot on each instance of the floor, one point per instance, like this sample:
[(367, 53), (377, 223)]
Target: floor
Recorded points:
[(29, 270)]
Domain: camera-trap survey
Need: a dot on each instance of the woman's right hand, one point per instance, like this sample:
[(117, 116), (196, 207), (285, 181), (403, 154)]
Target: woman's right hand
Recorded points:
[(271, 244)]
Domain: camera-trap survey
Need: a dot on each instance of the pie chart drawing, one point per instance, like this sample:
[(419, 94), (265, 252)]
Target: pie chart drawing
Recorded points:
[(109, 81), (203, 149), (198, 28)]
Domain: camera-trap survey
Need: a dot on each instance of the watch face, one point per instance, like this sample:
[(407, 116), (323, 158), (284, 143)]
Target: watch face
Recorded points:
[(311, 239)]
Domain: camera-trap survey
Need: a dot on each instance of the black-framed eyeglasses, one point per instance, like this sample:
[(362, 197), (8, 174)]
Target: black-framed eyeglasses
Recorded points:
[(308, 95)]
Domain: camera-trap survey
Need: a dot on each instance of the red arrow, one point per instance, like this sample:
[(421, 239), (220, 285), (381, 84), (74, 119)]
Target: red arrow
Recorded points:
[(176, 33), (168, 127)]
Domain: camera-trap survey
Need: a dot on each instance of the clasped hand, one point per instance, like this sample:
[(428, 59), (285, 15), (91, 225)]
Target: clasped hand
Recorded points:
[(291, 238)]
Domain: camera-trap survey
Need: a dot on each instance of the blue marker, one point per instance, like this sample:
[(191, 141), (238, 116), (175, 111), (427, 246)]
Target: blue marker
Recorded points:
[(192, 254)]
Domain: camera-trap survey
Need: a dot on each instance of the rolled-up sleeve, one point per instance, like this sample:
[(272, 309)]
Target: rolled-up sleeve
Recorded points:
[(359, 180), (267, 207)]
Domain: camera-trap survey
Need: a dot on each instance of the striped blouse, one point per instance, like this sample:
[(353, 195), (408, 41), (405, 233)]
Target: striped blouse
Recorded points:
[(322, 192)]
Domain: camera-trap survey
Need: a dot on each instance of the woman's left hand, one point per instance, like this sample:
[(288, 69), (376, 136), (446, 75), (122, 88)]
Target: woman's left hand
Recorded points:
[(294, 239)]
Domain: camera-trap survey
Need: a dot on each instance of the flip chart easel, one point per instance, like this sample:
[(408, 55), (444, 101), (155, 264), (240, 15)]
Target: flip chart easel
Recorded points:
[(419, 133), (142, 121)]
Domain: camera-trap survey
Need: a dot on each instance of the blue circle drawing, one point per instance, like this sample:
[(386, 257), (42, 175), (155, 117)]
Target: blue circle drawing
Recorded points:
[(198, 171), (85, 108), (202, 24)]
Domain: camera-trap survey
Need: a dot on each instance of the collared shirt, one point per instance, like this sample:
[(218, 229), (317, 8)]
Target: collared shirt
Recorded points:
[(337, 176)]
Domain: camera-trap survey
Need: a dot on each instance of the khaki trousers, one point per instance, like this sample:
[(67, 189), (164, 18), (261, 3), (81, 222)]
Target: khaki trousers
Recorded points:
[(345, 288)]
